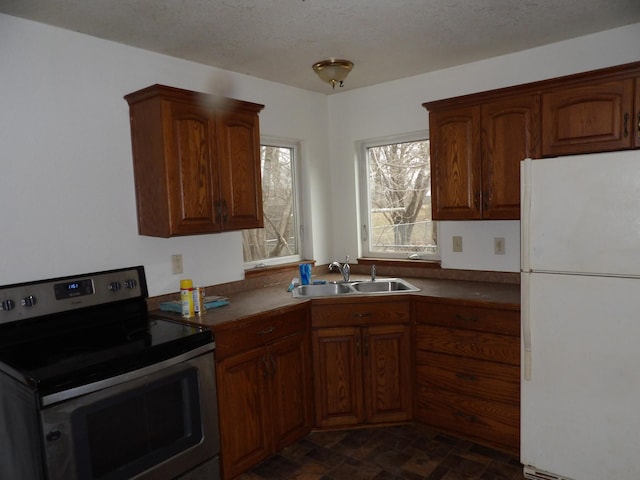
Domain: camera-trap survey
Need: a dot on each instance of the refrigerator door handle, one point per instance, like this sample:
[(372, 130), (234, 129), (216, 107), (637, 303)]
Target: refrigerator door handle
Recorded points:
[(525, 314), (525, 214)]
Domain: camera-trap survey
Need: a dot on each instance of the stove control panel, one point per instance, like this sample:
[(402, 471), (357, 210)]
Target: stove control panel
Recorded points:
[(45, 297)]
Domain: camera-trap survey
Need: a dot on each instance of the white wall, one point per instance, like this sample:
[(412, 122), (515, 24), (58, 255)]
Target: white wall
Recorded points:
[(67, 200), (395, 108)]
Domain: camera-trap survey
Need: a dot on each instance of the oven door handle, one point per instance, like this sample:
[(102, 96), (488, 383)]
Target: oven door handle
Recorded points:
[(126, 377)]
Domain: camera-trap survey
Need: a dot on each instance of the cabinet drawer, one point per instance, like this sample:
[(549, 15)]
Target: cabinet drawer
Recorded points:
[(468, 343), (361, 313), (506, 322), (492, 422), (246, 335), (489, 380)]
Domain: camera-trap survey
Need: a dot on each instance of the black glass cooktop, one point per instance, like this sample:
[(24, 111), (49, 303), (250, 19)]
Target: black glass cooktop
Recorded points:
[(56, 354)]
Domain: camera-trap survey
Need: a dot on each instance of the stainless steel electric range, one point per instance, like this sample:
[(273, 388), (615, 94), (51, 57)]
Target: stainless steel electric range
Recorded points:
[(94, 387)]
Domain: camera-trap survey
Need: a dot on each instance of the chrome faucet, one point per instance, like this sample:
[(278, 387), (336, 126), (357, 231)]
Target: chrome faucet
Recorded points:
[(345, 269)]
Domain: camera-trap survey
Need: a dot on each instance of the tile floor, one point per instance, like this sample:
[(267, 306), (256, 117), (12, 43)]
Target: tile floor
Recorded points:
[(408, 452)]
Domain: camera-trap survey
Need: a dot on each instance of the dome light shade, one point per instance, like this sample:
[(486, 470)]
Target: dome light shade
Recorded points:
[(333, 71)]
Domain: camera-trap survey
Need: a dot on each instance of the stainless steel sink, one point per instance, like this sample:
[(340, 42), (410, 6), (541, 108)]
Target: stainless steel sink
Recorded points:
[(381, 286), (324, 290), (385, 285)]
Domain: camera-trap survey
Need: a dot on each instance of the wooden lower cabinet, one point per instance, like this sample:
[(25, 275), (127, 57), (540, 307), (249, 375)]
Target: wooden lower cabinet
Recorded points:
[(264, 393), (453, 365), (468, 371), (362, 372)]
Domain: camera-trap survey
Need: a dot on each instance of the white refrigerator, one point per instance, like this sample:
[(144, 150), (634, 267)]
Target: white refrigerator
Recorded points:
[(580, 280)]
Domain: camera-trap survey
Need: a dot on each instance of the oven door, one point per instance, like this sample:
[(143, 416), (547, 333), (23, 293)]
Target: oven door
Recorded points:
[(158, 424)]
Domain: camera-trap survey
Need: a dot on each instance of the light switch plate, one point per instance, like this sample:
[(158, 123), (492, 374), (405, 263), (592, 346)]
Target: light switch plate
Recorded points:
[(457, 243), (498, 245), (176, 264)]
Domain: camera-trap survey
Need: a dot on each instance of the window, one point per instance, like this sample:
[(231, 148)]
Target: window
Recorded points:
[(278, 241), (395, 198)]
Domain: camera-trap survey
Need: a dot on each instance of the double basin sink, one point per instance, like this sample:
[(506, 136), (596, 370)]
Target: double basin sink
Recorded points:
[(362, 287)]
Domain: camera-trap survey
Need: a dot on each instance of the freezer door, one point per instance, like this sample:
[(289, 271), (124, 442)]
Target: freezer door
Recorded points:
[(582, 214), (579, 409)]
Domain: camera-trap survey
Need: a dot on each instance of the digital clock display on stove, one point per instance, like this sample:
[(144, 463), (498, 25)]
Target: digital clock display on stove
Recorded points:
[(75, 288)]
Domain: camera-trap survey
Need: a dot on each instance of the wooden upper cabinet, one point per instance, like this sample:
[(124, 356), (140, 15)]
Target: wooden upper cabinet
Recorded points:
[(191, 178), (455, 163), (636, 119), (475, 157), (478, 140), (196, 166), (510, 133), (589, 117), (239, 164)]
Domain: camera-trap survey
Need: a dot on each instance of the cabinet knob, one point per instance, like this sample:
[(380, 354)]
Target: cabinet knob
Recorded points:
[(225, 212), (466, 318), (626, 124)]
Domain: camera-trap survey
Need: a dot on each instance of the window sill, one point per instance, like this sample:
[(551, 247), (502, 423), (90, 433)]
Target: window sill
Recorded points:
[(399, 262), (273, 269)]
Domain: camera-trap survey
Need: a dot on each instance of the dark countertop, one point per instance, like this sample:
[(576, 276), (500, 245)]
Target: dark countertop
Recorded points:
[(275, 299)]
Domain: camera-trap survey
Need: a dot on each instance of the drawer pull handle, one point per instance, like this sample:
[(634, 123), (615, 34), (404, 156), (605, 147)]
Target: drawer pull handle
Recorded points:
[(267, 330), (467, 376), (361, 315), (358, 347), (273, 366), (638, 126), (465, 318), (466, 416)]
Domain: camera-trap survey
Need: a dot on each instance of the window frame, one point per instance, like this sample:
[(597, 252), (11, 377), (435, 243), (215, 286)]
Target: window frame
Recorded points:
[(296, 148), (363, 195)]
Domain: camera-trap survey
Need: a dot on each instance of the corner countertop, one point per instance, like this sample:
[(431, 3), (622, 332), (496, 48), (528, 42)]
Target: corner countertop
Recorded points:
[(275, 299)]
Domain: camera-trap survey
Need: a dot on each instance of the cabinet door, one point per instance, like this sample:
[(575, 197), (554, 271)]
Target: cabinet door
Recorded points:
[(511, 133), (588, 118), (239, 166), (455, 164), (636, 129), (338, 376), (290, 391), (244, 411), (387, 373), (191, 176)]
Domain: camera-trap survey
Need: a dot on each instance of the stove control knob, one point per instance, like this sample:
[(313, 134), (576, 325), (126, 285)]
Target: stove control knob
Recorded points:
[(130, 284), (115, 286), (8, 305), (29, 301)]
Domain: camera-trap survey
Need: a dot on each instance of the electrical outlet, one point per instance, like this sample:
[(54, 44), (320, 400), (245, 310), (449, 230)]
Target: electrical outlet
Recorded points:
[(457, 243), (498, 245), (176, 264)]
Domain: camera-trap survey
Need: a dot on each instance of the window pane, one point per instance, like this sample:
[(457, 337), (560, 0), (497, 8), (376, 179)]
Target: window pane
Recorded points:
[(399, 182), (278, 237)]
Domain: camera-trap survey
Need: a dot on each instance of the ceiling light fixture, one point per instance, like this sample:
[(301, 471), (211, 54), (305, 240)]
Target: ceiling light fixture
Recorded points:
[(333, 71)]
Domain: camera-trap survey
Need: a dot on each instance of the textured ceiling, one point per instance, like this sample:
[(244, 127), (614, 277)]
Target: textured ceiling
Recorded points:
[(279, 40)]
